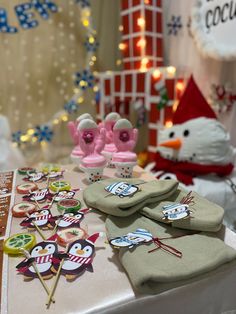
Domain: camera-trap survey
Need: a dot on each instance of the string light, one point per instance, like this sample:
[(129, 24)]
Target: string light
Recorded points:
[(168, 124), (24, 138), (141, 43), (141, 22), (95, 89), (91, 40), (55, 121), (122, 46), (144, 63), (171, 70), (85, 22), (180, 86), (30, 131), (175, 105), (43, 133), (64, 118), (121, 28), (156, 74), (80, 100), (118, 62)]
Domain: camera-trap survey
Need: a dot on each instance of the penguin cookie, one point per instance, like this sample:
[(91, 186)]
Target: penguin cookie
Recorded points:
[(45, 255)]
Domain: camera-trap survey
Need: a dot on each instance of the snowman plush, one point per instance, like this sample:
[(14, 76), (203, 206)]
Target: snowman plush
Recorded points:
[(197, 144), (10, 157)]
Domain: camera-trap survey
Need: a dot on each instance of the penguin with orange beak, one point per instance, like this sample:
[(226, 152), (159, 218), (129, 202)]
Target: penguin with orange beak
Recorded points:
[(45, 255), (80, 257)]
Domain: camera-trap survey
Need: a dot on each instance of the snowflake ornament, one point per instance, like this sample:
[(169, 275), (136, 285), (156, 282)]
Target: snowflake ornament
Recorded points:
[(174, 25), (84, 79), (71, 106), (83, 3), (16, 137), (91, 44), (43, 133)]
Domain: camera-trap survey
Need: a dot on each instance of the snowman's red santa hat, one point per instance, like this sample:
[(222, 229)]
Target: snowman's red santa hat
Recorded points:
[(192, 105)]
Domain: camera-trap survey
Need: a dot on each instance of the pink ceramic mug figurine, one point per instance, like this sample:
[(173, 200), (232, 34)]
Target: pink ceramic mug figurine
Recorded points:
[(77, 153), (110, 147), (125, 138), (92, 142)]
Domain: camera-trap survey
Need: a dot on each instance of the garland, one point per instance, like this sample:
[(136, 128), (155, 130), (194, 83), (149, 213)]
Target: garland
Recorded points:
[(83, 80)]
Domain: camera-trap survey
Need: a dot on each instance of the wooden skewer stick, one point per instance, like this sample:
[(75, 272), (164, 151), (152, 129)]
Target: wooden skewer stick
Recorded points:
[(56, 225), (55, 282), (27, 255), (37, 228)]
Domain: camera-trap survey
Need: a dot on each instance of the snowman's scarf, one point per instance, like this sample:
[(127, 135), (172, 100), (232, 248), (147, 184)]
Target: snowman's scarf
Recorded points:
[(186, 171)]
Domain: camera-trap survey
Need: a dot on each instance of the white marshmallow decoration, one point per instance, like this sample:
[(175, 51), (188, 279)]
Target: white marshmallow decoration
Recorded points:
[(202, 141), (112, 116), (10, 157)]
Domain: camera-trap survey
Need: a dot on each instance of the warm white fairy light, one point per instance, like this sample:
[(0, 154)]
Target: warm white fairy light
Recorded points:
[(62, 116)]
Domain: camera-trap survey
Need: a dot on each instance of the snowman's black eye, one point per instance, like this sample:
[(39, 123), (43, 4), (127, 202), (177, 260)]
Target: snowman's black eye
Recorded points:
[(186, 133), (172, 134)]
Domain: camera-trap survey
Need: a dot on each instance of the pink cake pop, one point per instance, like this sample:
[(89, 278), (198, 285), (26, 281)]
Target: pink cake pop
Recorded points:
[(92, 142), (110, 147), (125, 138), (77, 153)]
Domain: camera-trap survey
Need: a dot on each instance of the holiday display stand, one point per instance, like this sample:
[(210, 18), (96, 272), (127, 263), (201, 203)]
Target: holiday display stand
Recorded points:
[(121, 294)]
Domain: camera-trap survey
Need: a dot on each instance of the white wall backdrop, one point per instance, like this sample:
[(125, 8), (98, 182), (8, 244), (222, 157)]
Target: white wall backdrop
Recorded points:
[(181, 52)]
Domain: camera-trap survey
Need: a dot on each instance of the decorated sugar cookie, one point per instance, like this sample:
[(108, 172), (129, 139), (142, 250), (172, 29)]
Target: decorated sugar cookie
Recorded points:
[(42, 218), (22, 209), (26, 188), (66, 236), (80, 257), (132, 239), (19, 241), (39, 196), (45, 255)]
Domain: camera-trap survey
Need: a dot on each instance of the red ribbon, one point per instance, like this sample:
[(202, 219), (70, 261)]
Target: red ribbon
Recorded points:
[(165, 247)]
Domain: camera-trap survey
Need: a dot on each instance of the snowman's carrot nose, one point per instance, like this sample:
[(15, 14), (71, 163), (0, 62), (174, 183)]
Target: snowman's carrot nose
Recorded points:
[(174, 144)]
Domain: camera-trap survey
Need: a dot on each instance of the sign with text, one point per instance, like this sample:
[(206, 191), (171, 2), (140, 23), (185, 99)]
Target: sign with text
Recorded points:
[(213, 27)]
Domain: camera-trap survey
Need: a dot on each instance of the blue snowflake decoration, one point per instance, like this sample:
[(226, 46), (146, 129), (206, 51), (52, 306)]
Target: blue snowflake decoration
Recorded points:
[(71, 106), (97, 97), (174, 25), (16, 137), (83, 3), (84, 79), (43, 133), (91, 45)]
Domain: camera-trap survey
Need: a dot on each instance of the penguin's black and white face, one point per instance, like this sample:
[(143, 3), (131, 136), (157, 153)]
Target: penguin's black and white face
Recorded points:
[(41, 213), (82, 248), (43, 249)]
